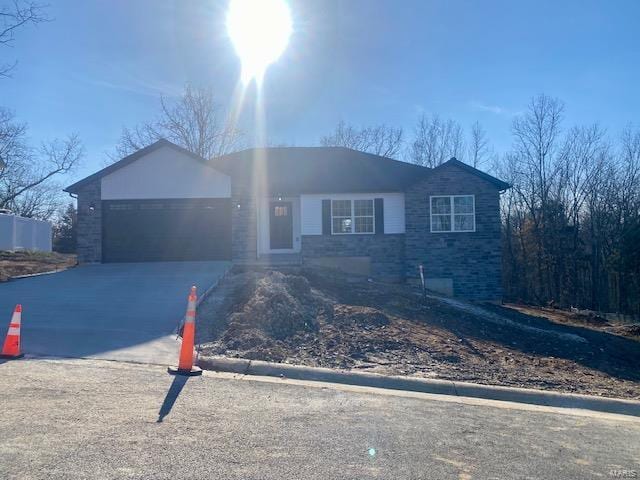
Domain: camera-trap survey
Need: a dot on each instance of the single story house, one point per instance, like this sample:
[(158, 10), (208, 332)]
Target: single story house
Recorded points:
[(330, 206)]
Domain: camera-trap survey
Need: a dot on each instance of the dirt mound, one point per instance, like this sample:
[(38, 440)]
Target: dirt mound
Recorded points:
[(364, 317), (327, 320), (627, 330), (588, 319), (279, 306)]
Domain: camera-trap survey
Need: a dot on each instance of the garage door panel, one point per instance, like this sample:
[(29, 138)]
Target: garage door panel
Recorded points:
[(166, 230)]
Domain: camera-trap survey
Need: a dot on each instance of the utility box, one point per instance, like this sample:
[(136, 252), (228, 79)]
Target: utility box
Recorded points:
[(20, 233)]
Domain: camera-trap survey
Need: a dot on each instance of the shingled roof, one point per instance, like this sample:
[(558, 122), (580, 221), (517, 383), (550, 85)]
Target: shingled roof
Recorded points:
[(294, 170), (318, 170)]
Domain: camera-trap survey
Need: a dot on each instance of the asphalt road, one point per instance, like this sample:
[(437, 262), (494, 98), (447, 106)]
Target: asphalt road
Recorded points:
[(116, 311), (100, 419)]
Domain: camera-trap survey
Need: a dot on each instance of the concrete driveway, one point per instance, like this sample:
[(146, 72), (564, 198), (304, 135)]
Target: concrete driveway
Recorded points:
[(124, 311)]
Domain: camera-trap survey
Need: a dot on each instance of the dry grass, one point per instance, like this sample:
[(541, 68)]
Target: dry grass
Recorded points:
[(14, 264)]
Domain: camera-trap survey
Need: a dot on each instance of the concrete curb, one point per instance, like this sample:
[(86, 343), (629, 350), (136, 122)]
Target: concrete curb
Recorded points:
[(422, 385), (39, 274), (202, 297)]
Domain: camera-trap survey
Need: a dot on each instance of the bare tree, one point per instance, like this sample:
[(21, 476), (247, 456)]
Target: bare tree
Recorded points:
[(195, 121), (479, 149), (28, 174), (630, 168), (435, 141), (13, 16), (572, 219), (536, 136), (378, 139), (42, 201), (581, 160), (536, 172), (12, 138)]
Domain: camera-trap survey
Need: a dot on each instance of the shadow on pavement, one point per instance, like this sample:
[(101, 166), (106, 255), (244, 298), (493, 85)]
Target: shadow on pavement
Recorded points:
[(176, 387)]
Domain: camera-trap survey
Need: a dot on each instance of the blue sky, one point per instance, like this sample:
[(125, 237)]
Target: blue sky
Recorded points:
[(99, 66)]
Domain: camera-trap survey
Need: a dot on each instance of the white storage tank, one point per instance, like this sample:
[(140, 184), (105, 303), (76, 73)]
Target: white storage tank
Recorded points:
[(20, 233)]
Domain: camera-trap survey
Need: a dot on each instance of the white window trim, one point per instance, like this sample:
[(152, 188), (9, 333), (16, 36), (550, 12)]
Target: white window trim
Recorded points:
[(353, 217), (451, 202)]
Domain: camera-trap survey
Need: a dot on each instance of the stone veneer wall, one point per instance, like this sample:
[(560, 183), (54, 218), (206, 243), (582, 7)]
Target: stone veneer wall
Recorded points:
[(90, 223), (471, 260), (244, 226), (386, 251)]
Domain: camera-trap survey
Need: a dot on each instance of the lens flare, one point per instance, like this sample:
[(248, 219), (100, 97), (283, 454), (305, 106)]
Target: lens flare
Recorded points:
[(259, 31)]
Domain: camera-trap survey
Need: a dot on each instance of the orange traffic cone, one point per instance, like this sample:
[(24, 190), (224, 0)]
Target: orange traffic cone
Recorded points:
[(185, 362), (11, 348)]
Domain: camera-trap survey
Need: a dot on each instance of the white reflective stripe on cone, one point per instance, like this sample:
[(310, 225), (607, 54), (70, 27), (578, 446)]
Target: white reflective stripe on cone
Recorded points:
[(14, 331)]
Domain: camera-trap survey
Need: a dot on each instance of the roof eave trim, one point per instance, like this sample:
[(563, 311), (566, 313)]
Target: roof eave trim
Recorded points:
[(499, 184)]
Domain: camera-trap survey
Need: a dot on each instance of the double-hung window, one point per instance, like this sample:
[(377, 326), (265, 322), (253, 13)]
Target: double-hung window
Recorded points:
[(453, 213), (352, 216)]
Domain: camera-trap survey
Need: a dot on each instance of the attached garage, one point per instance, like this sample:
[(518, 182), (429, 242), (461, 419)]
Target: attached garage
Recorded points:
[(162, 203), (166, 230)]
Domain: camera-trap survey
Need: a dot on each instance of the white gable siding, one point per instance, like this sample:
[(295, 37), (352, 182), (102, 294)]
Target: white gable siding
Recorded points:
[(311, 210), (165, 173)]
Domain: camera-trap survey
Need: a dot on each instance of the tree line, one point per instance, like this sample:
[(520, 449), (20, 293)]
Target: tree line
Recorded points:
[(433, 141), (571, 221)]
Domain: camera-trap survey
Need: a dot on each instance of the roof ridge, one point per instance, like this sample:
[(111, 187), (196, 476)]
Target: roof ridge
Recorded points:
[(322, 147)]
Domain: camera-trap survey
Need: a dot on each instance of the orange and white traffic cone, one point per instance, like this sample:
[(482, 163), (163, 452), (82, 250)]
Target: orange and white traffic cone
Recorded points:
[(11, 347), (185, 362)]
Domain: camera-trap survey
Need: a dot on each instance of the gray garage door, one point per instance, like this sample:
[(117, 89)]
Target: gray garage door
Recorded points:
[(166, 230)]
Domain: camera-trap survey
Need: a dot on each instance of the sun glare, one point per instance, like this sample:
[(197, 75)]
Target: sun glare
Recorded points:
[(259, 30)]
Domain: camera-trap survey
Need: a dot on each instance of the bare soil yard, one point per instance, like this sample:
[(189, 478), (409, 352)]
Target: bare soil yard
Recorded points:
[(13, 264), (320, 318), (576, 319)]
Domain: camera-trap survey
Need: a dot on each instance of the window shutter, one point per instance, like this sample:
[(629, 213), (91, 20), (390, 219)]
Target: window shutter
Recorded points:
[(379, 209), (326, 217)]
